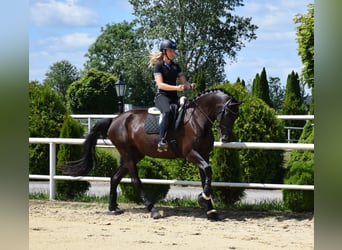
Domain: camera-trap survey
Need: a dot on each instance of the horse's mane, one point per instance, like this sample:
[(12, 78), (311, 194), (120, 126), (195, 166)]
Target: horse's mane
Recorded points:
[(210, 91)]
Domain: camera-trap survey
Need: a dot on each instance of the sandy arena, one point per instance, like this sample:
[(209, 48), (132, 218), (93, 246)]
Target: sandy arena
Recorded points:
[(74, 225)]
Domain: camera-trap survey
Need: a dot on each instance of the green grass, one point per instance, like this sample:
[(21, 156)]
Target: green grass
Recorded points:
[(274, 206)]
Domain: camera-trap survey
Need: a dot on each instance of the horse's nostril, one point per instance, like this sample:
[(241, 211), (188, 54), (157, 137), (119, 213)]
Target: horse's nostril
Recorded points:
[(225, 139)]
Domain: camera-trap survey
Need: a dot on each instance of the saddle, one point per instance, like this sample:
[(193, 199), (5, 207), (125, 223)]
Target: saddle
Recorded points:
[(151, 125)]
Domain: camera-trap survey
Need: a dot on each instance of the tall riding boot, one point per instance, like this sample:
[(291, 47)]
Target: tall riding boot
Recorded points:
[(163, 123)]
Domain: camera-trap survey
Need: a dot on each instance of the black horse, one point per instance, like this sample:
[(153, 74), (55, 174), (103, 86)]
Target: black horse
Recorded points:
[(193, 141)]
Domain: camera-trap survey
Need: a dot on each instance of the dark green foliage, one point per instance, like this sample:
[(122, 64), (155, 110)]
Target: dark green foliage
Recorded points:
[(179, 169), (261, 88), (46, 116), (94, 93), (150, 169), (277, 92), (70, 189), (257, 122), (105, 164), (293, 104), (119, 49), (226, 168), (60, 76), (301, 171), (203, 40), (199, 79)]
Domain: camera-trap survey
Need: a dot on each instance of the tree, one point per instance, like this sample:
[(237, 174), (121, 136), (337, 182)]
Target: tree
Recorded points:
[(206, 31), (119, 49), (305, 40), (94, 93), (293, 103), (277, 92), (60, 76), (261, 89)]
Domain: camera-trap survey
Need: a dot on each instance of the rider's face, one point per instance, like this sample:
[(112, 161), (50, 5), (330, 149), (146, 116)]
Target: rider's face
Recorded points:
[(170, 53)]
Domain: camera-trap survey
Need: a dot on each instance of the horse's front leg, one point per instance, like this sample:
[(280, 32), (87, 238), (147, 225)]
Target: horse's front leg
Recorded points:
[(204, 198), (114, 182)]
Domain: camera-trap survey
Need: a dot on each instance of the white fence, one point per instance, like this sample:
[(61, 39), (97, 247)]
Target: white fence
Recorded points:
[(254, 145)]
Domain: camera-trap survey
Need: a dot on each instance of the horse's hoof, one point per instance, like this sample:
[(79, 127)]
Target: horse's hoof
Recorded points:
[(212, 215), (116, 211), (155, 214)]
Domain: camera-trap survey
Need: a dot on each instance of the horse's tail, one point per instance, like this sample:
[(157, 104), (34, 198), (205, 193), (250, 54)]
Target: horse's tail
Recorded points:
[(85, 164)]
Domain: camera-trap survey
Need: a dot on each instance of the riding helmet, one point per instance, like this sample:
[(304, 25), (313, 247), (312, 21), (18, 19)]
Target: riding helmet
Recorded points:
[(167, 44)]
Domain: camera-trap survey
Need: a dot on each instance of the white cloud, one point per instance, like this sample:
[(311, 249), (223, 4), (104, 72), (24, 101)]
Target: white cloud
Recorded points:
[(68, 41), (61, 13)]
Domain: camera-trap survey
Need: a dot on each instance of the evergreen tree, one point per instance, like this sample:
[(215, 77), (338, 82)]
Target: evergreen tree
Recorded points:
[(293, 104), (256, 86), (70, 189), (260, 87), (257, 122)]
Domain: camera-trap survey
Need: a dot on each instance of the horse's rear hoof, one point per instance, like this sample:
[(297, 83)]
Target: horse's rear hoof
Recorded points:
[(155, 214), (212, 215)]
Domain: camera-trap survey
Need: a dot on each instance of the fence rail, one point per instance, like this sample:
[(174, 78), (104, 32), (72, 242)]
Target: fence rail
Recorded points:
[(105, 142)]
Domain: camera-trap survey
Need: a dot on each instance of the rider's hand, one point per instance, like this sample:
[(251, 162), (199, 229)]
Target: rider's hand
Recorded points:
[(181, 87), (193, 85)]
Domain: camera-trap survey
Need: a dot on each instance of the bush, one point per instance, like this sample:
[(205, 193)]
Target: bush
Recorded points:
[(151, 169), (257, 122), (105, 164), (226, 167), (70, 189), (46, 116), (301, 172)]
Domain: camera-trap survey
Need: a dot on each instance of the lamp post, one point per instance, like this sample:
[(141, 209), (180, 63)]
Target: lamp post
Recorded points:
[(120, 87)]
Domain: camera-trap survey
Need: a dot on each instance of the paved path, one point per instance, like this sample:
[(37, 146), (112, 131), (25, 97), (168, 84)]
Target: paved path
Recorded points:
[(102, 189)]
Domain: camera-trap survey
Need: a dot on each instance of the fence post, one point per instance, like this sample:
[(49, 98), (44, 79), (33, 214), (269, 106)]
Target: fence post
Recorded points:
[(52, 194)]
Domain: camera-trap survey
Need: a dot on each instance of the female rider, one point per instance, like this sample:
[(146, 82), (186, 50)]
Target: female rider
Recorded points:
[(166, 73)]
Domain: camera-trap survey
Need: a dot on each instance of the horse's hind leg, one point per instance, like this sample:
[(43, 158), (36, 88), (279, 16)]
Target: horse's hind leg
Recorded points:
[(137, 184), (114, 182)]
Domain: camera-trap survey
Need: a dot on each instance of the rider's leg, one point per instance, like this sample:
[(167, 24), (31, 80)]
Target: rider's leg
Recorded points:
[(163, 124), (162, 102)]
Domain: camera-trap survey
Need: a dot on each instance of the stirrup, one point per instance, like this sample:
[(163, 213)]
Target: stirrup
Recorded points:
[(162, 146)]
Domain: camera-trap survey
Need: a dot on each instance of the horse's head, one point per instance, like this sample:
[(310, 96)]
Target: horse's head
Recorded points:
[(226, 118)]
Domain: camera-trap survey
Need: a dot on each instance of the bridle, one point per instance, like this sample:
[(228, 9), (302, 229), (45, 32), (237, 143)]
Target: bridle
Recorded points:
[(219, 115)]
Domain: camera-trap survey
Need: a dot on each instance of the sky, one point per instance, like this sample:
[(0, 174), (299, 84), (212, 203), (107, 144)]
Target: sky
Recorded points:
[(64, 30)]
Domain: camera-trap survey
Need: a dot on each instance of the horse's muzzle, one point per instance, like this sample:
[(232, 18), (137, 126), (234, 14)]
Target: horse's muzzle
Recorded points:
[(225, 138)]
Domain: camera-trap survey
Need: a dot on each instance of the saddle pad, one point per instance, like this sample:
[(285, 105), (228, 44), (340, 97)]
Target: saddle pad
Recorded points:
[(151, 125)]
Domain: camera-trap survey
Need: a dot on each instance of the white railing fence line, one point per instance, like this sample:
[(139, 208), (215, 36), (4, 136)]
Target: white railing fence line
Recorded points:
[(105, 142)]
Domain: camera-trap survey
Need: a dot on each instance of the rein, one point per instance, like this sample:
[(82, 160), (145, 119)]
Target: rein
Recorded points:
[(208, 118)]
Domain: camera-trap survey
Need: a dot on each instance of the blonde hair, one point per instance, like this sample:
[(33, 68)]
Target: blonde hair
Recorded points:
[(155, 57)]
